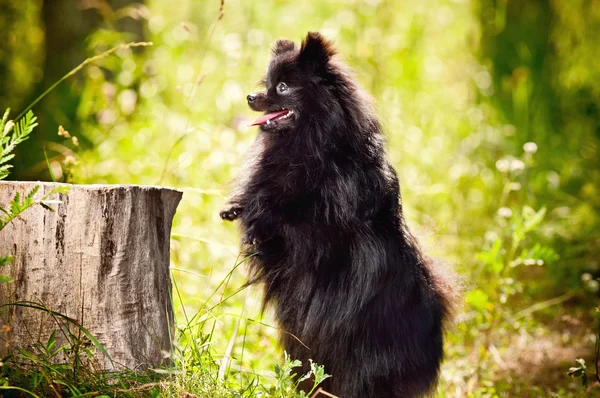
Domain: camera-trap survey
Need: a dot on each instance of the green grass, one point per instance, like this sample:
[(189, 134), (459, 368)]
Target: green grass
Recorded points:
[(45, 368)]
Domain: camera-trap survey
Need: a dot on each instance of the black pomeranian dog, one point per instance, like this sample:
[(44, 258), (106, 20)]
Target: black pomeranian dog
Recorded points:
[(322, 218)]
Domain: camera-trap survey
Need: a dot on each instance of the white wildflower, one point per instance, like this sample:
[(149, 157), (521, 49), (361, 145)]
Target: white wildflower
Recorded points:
[(516, 165), (504, 212), (530, 147), (503, 165)]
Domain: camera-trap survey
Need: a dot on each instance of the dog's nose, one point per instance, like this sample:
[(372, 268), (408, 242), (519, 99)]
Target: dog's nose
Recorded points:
[(251, 98)]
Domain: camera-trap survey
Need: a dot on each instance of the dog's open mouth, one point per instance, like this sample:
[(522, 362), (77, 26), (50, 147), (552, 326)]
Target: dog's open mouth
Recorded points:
[(273, 118)]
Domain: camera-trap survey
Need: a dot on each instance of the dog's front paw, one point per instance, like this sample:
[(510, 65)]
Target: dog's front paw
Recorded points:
[(231, 212)]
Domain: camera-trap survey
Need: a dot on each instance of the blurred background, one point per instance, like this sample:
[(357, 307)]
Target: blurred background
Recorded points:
[(492, 113)]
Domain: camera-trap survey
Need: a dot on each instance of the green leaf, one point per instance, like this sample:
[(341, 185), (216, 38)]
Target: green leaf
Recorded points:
[(60, 189), (4, 119), (94, 340), (5, 279), (492, 258), (49, 167), (319, 373), (6, 158), (478, 299), (6, 260), (8, 127), (31, 193), (24, 391), (579, 371), (51, 341), (11, 135), (543, 255), (15, 205), (532, 218)]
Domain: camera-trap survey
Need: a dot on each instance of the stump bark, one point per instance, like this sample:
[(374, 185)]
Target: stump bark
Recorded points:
[(102, 259)]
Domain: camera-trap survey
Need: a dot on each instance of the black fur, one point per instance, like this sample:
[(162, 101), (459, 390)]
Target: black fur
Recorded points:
[(320, 206)]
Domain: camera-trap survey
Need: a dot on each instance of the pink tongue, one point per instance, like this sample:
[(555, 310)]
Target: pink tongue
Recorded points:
[(269, 116)]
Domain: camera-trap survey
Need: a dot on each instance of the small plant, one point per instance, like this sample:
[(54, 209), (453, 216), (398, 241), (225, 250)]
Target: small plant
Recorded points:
[(514, 247), (579, 371), (18, 205), (11, 135), (288, 382), (68, 363)]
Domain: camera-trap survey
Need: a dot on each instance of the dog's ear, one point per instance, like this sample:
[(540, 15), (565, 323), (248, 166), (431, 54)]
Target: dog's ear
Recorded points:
[(282, 46), (316, 51)]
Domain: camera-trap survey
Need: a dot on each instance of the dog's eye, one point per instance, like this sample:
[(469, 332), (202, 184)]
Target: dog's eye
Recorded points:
[(282, 88)]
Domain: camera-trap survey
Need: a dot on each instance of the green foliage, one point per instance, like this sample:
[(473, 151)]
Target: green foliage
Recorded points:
[(287, 381), (21, 54), (200, 369), (11, 135), (480, 184), (579, 371), (6, 260), (67, 363), (17, 205), (68, 360)]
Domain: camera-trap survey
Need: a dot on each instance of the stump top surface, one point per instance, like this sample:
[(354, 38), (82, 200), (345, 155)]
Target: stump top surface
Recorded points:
[(90, 187)]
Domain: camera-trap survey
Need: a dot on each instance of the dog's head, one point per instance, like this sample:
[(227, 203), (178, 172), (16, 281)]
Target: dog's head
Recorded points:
[(294, 83)]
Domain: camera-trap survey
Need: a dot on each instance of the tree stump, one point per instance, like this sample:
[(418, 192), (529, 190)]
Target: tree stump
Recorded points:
[(102, 259)]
